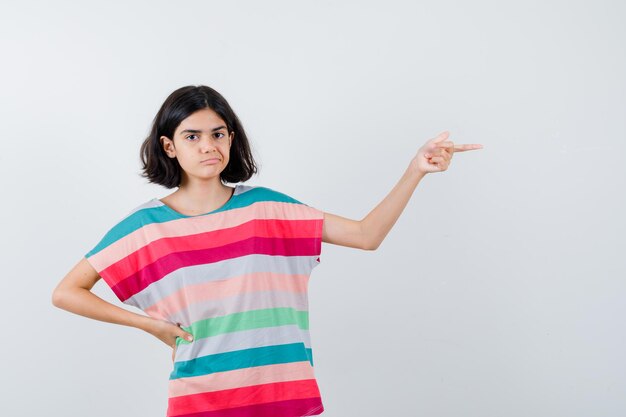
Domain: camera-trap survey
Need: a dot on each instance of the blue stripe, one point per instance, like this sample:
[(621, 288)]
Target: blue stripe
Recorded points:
[(245, 358)]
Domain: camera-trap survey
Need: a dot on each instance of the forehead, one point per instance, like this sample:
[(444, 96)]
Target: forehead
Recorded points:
[(204, 119)]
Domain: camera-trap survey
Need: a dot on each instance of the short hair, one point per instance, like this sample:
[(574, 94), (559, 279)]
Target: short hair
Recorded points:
[(158, 168)]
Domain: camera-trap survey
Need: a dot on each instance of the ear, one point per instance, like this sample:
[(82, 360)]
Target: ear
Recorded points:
[(168, 146)]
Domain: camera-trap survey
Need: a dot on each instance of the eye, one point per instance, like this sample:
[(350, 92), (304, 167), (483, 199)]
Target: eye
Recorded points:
[(188, 136), (220, 134)]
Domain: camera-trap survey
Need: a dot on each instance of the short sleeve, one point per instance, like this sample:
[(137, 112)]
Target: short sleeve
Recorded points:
[(112, 256), (313, 219), (317, 217)]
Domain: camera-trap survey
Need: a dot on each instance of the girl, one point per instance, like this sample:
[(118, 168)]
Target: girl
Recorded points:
[(222, 272)]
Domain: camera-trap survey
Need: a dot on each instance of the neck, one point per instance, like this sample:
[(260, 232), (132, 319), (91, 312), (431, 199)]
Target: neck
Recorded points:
[(200, 194)]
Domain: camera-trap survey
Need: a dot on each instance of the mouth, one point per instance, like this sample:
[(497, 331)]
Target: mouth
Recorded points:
[(211, 160)]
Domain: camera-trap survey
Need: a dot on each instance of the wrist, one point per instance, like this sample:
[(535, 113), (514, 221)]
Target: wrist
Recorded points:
[(415, 173), (142, 322)]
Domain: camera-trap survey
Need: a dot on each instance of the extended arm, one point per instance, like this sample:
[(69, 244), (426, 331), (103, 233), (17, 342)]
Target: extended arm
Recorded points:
[(369, 232), (377, 224)]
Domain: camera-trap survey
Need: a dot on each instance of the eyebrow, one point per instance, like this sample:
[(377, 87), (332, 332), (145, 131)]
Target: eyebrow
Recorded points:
[(200, 131)]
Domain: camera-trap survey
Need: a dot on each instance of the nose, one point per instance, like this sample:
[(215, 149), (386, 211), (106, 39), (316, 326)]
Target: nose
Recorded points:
[(207, 145)]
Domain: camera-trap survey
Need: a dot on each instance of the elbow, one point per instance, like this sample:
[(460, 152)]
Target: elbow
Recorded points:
[(373, 248), (57, 298), (370, 246), (368, 242)]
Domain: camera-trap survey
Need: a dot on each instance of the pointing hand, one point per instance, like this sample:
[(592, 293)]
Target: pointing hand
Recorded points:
[(435, 155)]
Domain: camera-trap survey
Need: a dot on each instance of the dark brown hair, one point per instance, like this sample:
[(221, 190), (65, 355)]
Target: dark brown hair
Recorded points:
[(158, 168)]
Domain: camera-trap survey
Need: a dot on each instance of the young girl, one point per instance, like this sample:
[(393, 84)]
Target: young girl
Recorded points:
[(222, 272)]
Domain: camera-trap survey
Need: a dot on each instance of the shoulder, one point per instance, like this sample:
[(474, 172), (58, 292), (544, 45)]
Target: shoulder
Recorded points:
[(283, 200), (263, 193), (126, 224)]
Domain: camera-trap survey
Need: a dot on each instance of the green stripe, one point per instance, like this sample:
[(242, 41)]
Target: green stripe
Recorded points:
[(246, 320)]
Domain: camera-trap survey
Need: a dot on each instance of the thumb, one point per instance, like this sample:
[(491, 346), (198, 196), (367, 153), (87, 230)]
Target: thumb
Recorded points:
[(184, 334), (187, 336), (441, 137)]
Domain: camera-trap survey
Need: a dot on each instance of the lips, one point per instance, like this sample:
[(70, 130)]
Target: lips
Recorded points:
[(211, 159)]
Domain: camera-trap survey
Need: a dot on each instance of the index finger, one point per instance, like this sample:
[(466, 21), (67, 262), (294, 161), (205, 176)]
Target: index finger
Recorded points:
[(467, 147)]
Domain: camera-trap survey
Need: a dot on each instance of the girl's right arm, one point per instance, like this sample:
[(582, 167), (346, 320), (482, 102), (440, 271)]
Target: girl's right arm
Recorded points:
[(74, 294)]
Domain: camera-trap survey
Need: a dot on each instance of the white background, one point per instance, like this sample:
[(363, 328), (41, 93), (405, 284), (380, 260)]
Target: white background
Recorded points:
[(500, 290)]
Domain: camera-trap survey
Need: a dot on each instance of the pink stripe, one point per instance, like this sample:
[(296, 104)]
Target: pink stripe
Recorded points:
[(258, 281), (174, 261), (188, 227), (149, 260), (290, 229), (241, 378)]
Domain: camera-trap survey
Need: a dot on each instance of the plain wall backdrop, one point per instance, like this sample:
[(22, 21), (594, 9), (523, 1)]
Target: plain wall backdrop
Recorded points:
[(499, 291)]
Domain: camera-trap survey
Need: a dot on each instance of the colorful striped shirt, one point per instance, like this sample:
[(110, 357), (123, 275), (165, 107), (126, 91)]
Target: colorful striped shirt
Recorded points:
[(236, 278)]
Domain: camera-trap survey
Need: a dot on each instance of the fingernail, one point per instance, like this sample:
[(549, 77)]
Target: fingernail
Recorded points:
[(190, 338)]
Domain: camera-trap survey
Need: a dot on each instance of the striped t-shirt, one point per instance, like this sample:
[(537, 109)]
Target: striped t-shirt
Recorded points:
[(236, 278)]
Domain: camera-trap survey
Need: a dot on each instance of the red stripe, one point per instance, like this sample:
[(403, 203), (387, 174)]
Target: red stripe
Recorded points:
[(161, 257), (262, 396), (289, 408), (165, 265), (164, 246)]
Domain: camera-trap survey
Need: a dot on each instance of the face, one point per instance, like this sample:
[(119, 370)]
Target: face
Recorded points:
[(201, 144)]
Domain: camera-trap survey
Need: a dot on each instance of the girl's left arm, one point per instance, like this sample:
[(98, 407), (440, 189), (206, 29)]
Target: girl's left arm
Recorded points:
[(368, 233)]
